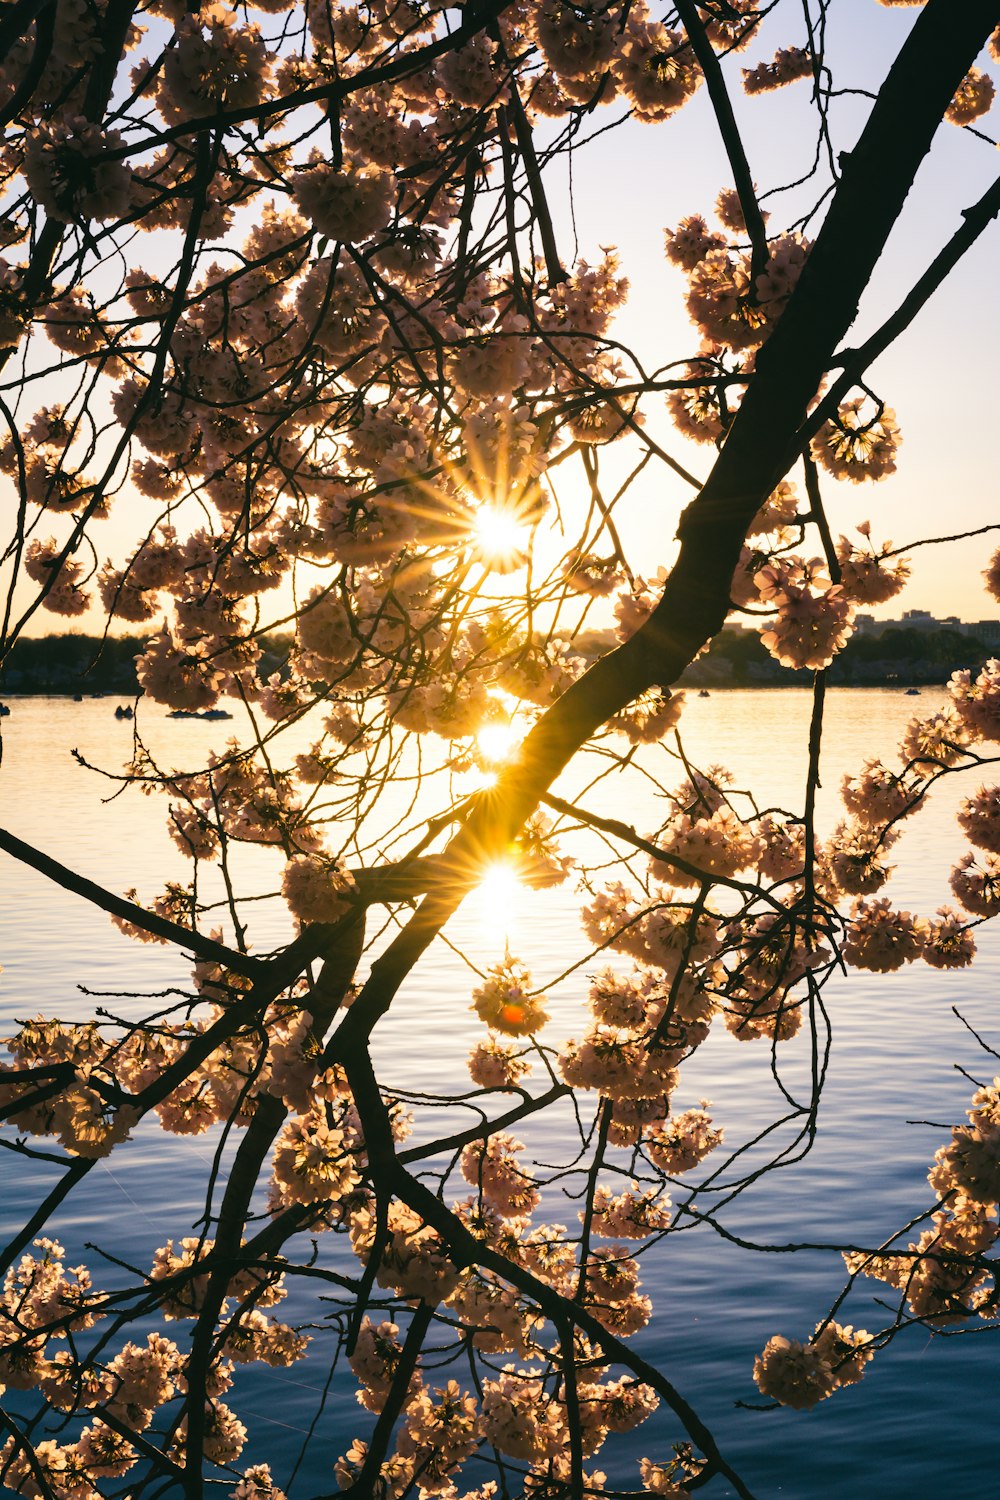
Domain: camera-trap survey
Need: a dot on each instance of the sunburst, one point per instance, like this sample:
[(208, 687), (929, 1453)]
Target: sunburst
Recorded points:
[(501, 537)]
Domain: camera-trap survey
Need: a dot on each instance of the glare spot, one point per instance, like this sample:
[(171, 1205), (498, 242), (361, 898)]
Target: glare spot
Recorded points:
[(500, 885), (497, 740), (501, 538), (497, 906)]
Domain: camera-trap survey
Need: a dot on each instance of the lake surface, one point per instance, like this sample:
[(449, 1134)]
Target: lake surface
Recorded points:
[(921, 1420)]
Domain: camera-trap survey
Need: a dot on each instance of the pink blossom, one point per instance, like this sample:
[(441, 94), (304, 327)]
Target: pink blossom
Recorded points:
[(438, 1435), (793, 1374), (179, 675), (468, 74), (257, 1484), (778, 510), (313, 1161), (504, 1002), (815, 618), (619, 1064), (498, 1322), (979, 816), (853, 858), (977, 700), (658, 1480), (576, 39), (722, 303), (654, 66), (867, 576), (858, 447), (491, 1167), (225, 1435), (212, 68), (690, 242), (788, 64), (628, 1000), (975, 881), (780, 848), (634, 607), (588, 574), (520, 1419), (414, 1262), (683, 1141), (878, 795), (800, 1375), (719, 844), (973, 98), (375, 1359), (143, 1379), (941, 737), (317, 888), (65, 595), (970, 1165), (494, 1065), (992, 575), (349, 205), (650, 717), (881, 938), (948, 944), (632, 1215), (67, 170)]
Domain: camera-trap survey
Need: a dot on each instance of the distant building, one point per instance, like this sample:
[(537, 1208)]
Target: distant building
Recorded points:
[(987, 631)]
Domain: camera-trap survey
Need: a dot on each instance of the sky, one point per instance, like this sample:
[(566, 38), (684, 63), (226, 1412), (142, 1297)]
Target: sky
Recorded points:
[(628, 184), (940, 377)]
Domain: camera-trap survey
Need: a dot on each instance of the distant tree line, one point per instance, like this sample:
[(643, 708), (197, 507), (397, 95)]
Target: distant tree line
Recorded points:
[(72, 664), (899, 656), (738, 658), (87, 664)]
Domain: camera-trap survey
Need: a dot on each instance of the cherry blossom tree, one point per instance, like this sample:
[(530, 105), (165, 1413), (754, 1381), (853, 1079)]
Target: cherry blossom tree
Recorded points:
[(286, 283)]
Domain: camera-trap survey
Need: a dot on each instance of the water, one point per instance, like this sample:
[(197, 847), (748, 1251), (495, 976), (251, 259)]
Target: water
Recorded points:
[(917, 1420)]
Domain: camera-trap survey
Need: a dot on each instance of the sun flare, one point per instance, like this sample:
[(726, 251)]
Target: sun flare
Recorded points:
[(501, 538), (496, 741), (500, 883), (499, 896)]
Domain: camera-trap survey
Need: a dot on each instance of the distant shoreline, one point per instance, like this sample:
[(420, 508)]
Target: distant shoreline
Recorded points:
[(68, 665), (692, 689)]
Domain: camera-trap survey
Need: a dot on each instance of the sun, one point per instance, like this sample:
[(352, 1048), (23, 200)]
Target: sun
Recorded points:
[(498, 902), (496, 741), (501, 538), (500, 885)]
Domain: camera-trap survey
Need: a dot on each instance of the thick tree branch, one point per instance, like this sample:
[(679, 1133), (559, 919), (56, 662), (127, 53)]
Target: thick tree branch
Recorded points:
[(117, 906)]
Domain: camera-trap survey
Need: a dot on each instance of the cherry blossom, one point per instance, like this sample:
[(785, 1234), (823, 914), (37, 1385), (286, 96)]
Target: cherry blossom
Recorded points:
[(289, 294), (881, 938), (788, 64), (505, 1003), (858, 446)]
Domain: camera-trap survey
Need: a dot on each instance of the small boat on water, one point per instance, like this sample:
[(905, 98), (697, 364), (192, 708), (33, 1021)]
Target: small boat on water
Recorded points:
[(4, 711), (912, 692), (207, 713), (704, 693), (124, 712)]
